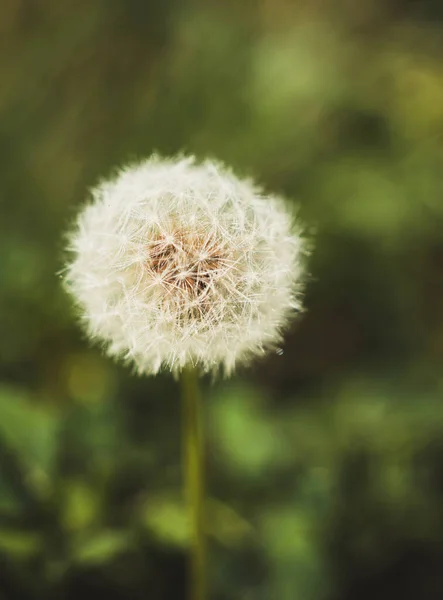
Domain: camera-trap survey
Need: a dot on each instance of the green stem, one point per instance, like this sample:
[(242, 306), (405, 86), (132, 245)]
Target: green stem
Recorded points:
[(194, 480)]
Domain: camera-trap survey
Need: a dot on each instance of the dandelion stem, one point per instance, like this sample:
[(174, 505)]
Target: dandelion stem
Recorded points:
[(194, 480)]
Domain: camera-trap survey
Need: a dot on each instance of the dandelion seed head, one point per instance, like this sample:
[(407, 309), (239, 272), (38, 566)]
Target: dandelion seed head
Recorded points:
[(176, 263)]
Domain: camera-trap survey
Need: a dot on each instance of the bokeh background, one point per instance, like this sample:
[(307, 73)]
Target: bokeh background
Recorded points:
[(325, 461)]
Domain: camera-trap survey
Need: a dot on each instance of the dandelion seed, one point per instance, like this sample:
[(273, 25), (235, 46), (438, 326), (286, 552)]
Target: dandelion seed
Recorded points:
[(175, 263)]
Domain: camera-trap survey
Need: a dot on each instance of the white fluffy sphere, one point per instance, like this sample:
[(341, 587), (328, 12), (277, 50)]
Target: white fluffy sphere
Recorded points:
[(175, 263)]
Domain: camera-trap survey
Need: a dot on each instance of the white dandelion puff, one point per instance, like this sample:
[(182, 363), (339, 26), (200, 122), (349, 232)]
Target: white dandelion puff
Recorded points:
[(175, 263)]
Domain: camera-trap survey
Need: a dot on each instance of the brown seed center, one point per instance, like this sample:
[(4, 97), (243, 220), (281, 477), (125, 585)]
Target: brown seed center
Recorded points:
[(186, 264)]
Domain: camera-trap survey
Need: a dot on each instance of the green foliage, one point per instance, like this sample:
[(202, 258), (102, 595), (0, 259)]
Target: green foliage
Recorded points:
[(100, 548), (29, 429), (244, 434)]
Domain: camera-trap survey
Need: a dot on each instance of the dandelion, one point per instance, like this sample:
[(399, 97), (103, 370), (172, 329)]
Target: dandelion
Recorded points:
[(176, 263), (181, 265)]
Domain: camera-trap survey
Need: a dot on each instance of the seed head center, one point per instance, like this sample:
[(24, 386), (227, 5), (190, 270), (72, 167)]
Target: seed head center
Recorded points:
[(187, 264)]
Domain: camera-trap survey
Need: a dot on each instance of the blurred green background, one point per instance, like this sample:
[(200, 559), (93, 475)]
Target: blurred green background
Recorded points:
[(325, 462)]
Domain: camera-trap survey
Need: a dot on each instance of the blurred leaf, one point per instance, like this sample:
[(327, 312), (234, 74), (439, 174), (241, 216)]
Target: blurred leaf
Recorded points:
[(368, 199), (292, 539), (20, 544), (289, 533), (248, 438), (166, 516), (100, 547), (29, 430), (226, 525), (80, 505)]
